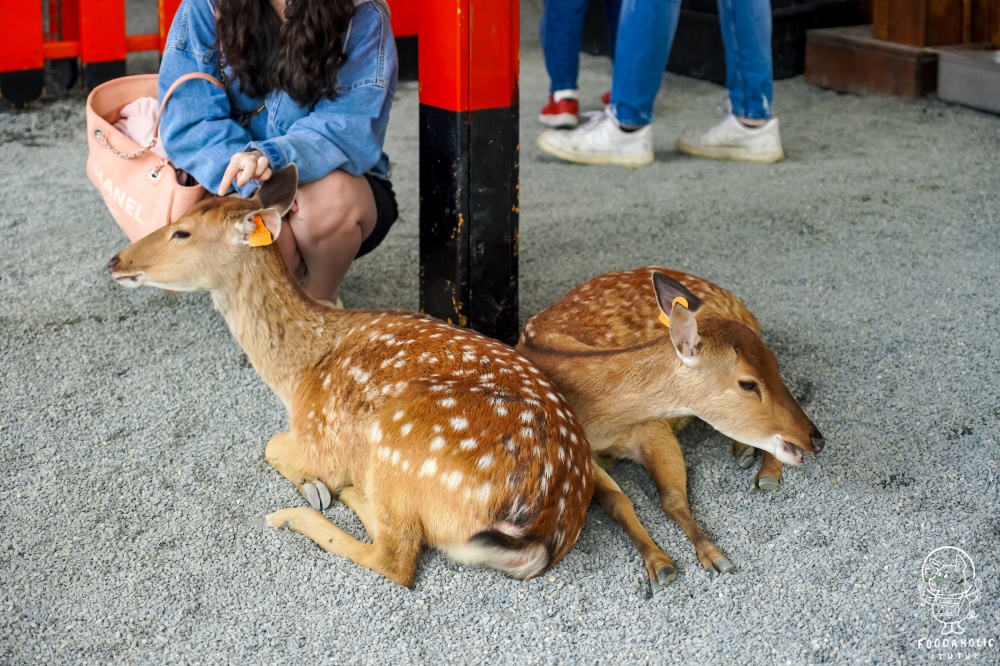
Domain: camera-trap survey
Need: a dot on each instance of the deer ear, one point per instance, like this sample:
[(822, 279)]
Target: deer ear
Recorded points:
[(667, 289), (670, 297), (278, 191), (263, 233), (684, 335)]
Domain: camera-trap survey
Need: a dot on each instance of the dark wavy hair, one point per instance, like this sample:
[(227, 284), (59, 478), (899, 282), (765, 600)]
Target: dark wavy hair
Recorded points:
[(300, 56)]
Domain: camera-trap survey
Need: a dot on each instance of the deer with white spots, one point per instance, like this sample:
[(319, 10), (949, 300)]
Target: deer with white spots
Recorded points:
[(638, 354), (433, 435)]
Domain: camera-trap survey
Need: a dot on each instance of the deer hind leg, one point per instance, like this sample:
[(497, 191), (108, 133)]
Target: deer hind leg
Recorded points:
[(285, 454), (660, 453), (354, 500), (769, 474), (393, 554), (609, 495)]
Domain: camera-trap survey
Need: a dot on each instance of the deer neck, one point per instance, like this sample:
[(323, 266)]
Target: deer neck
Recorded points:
[(282, 331)]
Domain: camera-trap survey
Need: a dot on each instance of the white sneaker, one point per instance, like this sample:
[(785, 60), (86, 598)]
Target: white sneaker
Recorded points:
[(600, 141), (730, 140)]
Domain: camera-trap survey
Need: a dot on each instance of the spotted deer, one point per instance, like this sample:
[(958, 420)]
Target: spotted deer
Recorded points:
[(638, 354), (432, 434)]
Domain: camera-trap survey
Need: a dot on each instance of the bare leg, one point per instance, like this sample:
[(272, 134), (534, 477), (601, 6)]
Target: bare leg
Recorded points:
[(334, 215), (394, 554), (609, 495)]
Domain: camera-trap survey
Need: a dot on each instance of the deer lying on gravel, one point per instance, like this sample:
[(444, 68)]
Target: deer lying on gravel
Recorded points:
[(638, 354), (432, 434)]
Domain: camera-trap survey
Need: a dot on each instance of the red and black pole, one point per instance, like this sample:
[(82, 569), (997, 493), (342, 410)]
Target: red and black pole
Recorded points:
[(102, 41), (22, 66), (468, 58)]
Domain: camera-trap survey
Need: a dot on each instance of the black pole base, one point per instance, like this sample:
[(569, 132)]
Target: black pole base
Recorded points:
[(469, 218), (96, 73), (23, 87), (406, 49)]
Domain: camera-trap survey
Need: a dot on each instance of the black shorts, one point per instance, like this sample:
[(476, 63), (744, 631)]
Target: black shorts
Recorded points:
[(386, 212)]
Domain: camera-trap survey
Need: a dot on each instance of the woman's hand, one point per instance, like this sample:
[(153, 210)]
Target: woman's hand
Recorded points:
[(245, 167)]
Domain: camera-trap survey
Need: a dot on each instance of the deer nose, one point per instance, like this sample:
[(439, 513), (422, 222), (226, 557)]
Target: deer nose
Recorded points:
[(817, 441), (113, 264)]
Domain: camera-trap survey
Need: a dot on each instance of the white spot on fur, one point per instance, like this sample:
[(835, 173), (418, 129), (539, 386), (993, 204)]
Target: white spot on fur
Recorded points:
[(437, 443), (527, 417), (459, 423), (429, 467), (398, 416), (376, 433), (359, 375), (467, 444), (485, 461), (448, 402), (406, 429), (452, 479)]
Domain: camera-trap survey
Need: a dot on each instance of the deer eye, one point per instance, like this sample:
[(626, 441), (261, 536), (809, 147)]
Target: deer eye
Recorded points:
[(748, 386), (180, 234)]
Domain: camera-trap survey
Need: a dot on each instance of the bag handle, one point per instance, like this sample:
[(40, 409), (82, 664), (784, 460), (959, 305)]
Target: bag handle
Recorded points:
[(103, 140), (170, 91)]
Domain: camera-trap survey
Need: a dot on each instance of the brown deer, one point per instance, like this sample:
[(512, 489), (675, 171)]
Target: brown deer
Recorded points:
[(432, 434), (638, 354)]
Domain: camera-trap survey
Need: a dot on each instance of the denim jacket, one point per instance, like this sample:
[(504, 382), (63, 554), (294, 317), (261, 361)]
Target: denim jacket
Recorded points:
[(202, 126)]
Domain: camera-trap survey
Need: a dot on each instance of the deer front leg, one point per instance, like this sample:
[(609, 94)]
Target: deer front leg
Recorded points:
[(660, 453), (393, 554), (284, 453), (769, 474), (609, 495)]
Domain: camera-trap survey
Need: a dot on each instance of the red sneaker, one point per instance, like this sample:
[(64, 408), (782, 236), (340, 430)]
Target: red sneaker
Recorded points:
[(564, 114), (606, 98)]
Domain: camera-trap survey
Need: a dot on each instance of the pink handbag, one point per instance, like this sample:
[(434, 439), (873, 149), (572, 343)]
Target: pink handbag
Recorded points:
[(140, 188)]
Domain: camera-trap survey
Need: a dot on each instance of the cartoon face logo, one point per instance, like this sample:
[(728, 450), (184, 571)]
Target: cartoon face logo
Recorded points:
[(950, 587)]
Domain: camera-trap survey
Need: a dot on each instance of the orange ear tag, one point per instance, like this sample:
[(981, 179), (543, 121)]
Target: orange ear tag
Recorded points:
[(260, 236), (664, 319)]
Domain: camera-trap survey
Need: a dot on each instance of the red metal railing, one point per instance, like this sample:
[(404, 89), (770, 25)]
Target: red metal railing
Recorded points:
[(33, 31)]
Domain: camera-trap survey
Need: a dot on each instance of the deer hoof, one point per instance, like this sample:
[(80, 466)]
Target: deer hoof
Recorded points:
[(666, 575), (317, 494), (744, 457), (766, 483), (720, 566)]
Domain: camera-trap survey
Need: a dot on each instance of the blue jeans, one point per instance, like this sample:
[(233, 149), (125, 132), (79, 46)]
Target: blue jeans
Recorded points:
[(648, 27), (562, 37)]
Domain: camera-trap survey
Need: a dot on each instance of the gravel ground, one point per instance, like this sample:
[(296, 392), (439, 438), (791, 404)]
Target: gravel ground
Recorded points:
[(132, 467)]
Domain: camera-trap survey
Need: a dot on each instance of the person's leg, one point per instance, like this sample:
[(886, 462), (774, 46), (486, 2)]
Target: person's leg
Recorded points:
[(750, 132), (622, 135), (332, 217), (647, 27), (746, 35), (612, 10), (561, 32)]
